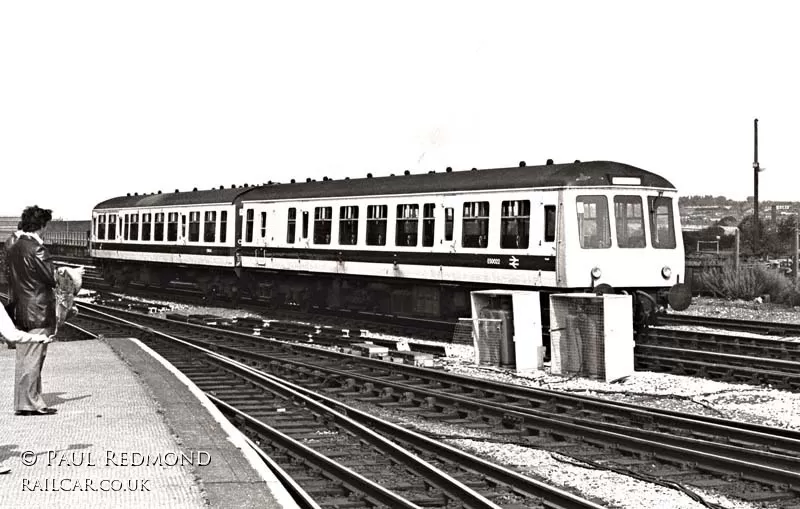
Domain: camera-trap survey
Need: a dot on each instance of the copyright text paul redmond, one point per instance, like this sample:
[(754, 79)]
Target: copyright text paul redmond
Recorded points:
[(63, 462)]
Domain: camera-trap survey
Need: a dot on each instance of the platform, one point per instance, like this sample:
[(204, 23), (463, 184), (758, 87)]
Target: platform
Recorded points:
[(128, 433)]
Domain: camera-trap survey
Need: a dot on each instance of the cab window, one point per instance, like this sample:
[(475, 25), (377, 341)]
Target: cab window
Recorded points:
[(594, 230), (629, 221), (662, 225)]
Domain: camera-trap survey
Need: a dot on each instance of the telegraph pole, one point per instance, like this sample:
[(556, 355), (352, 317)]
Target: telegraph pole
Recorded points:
[(756, 169)]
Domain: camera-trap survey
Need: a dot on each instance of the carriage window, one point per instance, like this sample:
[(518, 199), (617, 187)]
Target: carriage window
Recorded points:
[(194, 226), (210, 226), (322, 225), (515, 224), (158, 234), (248, 235), (172, 227), (348, 225), (134, 227), (124, 226), (449, 218), (630, 221), (376, 225), (305, 224), (662, 226), (291, 225), (428, 223), (549, 223), (475, 224), (146, 226), (223, 226), (101, 227), (593, 225), (112, 227), (407, 225)]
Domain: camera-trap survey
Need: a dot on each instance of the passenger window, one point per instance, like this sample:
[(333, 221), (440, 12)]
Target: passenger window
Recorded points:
[(112, 227), (376, 225), (475, 224), (210, 226), (662, 226), (594, 229), (223, 226), (515, 224), (291, 225), (194, 226), (125, 227), (159, 227), (249, 219), (449, 218), (629, 220), (428, 223), (348, 225), (134, 227), (305, 224), (147, 226), (172, 227), (101, 227), (322, 225), (407, 225), (549, 223)]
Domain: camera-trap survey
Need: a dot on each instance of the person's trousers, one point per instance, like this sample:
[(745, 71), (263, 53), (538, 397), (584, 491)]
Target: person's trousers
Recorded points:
[(28, 375)]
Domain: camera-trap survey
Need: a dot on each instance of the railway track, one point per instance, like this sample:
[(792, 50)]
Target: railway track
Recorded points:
[(757, 327), (330, 449), (740, 460)]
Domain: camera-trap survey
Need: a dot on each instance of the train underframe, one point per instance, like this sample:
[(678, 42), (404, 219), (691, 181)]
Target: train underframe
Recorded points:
[(305, 291)]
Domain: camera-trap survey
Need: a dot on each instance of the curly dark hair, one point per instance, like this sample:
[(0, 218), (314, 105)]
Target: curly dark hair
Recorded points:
[(35, 218)]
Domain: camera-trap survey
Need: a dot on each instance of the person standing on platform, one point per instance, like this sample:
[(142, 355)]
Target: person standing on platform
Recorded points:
[(14, 336), (6, 274), (32, 280)]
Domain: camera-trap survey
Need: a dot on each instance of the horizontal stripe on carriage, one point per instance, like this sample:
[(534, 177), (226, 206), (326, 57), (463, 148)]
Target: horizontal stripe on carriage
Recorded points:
[(489, 260)]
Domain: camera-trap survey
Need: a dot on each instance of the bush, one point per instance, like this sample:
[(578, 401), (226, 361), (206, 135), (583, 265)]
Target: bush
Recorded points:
[(749, 283)]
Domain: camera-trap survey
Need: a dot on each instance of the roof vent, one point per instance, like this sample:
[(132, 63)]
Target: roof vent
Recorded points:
[(347, 178), (293, 181), (194, 190), (474, 169), (449, 169), (136, 194), (577, 161), (159, 191), (522, 164), (222, 187), (407, 172), (129, 194), (308, 179), (233, 186), (549, 162), (431, 171), (391, 175), (369, 175), (245, 185), (270, 182), (177, 191)]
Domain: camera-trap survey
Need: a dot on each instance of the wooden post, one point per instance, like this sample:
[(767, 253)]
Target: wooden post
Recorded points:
[(736, 251)]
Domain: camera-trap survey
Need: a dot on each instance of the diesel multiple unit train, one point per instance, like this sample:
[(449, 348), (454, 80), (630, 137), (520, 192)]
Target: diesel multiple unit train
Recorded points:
[(411, 245)]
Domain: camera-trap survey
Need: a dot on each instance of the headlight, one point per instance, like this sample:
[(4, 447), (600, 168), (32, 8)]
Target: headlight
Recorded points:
[(666, 272), (596, 273)]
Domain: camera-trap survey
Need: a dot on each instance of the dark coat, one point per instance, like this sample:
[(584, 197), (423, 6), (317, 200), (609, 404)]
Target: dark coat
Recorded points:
[(32, 283)]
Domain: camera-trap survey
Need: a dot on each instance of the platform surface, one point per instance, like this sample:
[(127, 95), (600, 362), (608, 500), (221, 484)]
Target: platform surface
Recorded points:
[(129, 433)]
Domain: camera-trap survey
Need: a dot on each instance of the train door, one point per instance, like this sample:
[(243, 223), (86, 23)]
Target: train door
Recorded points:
[(452, 230), (260, 235)]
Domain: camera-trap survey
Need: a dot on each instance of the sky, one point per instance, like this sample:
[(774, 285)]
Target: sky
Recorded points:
[(99, 98)]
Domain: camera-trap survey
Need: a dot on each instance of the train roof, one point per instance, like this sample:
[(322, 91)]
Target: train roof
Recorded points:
[(207, 197), (578, 174)]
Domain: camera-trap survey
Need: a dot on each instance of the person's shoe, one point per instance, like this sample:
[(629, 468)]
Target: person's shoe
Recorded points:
[(4, 470), (43, 411)]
